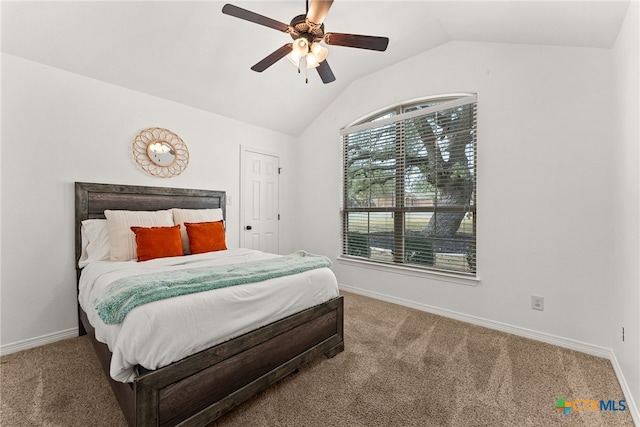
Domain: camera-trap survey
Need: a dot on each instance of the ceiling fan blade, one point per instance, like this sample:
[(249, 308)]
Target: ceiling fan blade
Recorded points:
[(325, 72), (238, 12), (355, 40), (277, 55), (318, 10)]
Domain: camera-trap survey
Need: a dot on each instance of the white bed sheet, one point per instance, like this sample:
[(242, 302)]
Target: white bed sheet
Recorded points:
[(156, 334)]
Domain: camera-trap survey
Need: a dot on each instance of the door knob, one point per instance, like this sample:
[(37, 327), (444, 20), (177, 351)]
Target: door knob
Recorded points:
[(248, 227)]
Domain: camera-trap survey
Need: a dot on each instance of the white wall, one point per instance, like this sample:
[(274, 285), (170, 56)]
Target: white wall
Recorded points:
[(558, 190), (59, 127), (544, 177), (625, 310)]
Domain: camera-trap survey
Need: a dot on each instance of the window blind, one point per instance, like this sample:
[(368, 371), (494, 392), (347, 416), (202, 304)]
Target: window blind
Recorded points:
[(409, 186)]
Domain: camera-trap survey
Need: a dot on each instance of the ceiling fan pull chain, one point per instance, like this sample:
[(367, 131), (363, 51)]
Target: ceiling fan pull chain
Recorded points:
[(302, 63)]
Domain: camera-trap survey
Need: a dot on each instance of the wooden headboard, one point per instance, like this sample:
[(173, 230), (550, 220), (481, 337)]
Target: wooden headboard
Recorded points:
[(92, 200)]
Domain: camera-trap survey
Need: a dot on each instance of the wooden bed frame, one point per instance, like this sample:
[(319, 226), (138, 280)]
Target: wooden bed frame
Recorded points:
[(200, 388)]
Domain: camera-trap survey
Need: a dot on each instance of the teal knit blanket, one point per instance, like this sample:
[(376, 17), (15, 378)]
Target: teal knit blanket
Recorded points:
[(128, 293)]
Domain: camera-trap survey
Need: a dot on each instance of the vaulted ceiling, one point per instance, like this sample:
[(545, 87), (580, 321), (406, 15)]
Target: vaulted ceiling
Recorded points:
[(191, 53)]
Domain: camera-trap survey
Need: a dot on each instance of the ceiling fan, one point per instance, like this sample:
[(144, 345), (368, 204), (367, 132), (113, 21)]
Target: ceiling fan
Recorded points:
[(307, 31)]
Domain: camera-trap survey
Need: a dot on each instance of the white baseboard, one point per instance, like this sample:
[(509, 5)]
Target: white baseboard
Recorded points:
[(591, 349), (38, 341), (631, 404)]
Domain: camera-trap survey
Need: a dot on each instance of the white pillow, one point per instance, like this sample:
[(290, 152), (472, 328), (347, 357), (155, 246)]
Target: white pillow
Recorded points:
[(96, 245), (180, 216), (123, 240)]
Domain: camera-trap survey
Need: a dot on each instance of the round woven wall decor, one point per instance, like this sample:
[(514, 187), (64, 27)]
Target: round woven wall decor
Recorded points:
[(160, 152)]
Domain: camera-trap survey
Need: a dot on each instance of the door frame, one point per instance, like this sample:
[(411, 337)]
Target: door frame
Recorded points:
[(243, 150)]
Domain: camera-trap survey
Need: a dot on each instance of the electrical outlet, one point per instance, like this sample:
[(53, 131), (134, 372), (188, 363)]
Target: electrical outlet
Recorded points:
[(537, 303)]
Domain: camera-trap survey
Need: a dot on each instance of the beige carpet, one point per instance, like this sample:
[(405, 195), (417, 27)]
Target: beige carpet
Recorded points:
[(400, 367)]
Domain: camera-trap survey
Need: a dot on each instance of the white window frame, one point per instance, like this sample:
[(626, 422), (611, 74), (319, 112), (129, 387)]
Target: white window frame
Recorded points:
[(394, 115)]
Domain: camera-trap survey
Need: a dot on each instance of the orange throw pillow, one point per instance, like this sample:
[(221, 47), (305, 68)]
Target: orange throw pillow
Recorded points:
[(206, 236), (157, 242)]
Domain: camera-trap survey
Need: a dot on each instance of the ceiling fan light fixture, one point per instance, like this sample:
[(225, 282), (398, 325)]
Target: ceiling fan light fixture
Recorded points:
[(307, 61), (319, 52), (300, 47), (302, 56), (293, 58), (312, 61)]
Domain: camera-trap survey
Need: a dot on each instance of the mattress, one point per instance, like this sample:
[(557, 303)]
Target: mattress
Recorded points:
[(159, 333)]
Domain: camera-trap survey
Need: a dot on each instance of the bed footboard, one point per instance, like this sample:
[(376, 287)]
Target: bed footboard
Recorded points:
[(199, 389)]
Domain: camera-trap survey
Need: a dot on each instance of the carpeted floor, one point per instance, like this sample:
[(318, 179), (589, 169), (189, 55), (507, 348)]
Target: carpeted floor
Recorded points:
[(400, 367)]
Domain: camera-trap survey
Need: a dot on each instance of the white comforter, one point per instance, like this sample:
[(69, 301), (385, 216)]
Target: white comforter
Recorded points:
[(159, 333)]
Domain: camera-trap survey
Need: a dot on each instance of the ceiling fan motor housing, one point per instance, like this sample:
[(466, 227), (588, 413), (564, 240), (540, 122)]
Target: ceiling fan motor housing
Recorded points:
[(302, 28)]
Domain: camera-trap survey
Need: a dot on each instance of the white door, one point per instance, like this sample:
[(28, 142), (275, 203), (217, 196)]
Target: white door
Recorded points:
[(260, 208)]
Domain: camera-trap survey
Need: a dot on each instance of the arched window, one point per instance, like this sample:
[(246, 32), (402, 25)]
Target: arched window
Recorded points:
[(409, 186)]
